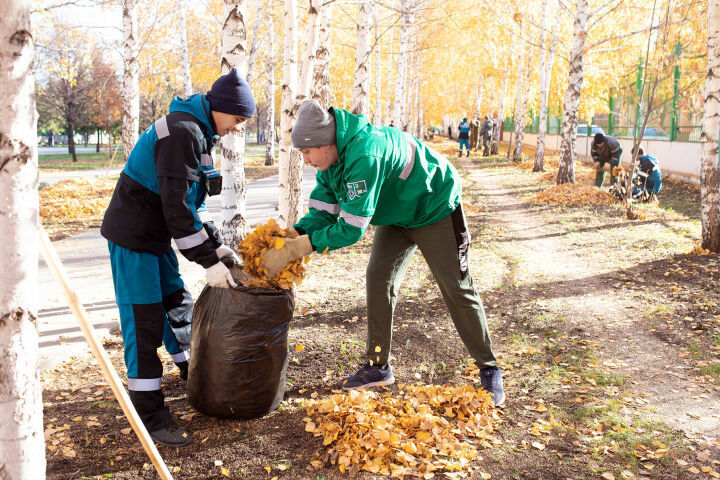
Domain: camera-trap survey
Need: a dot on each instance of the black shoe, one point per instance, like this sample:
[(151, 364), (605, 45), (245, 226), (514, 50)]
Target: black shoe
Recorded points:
[(369, 376), (171, 436), (183, 366), (468, 153), (491, 380)]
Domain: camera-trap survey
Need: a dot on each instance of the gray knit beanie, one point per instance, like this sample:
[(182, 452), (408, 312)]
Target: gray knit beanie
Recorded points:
[(314, 127)]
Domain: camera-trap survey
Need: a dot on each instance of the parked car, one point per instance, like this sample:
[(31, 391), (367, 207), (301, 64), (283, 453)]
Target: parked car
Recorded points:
[(582, 130), (651, 133)]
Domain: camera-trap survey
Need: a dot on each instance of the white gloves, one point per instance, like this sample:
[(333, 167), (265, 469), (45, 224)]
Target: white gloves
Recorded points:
[(225, 251), (219, 276)]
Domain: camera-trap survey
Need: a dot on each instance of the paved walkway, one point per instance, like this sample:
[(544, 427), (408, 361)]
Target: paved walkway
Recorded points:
[(86, 260)]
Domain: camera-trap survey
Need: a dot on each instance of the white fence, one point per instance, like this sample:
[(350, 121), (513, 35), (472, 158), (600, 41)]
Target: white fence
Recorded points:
[(677, 159)]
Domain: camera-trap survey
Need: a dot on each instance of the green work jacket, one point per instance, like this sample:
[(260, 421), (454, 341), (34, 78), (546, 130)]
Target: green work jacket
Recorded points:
[(383, 176)]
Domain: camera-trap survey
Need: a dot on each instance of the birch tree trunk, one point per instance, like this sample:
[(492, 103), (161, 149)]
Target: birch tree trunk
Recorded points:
[(710, 171), (495, 144), (234, 189), (184, 56), (290, 183), (390, 103), (566, 169), (399, 112), (545, 77), (538, 166), (131, 82), (307, 68), (377, 117), (521, 105), (255, 44), (22, 445), (361, 83), (321, 76), (270, 91)]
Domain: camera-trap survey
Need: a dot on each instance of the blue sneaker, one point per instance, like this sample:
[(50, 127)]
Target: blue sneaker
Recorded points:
[(369, 376), (491, 380)]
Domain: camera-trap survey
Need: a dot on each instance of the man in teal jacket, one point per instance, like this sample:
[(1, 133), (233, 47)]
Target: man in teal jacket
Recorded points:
[(412, 194), (161, 196)]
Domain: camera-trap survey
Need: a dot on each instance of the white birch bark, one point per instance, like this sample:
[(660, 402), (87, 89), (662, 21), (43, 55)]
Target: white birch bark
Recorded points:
[(710, 171), (399, 113), (495, 144), (361, 83), (546, 65), (234, 190), (519, 119), (389, 87), (22, 446), (131, 82), (270, 90), (256, 43), (566, 169), (377, 117), (184, 56), (307, 68), (321, 76), (290, 201)]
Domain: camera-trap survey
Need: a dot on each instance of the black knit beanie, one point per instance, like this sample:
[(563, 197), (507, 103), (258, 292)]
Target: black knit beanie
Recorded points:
[(231, 94)]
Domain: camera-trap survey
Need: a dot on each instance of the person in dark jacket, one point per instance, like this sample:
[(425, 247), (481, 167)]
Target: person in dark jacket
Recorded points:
[(605, 149), (464, 137), (486, 131), (160, 195), (649, 176)]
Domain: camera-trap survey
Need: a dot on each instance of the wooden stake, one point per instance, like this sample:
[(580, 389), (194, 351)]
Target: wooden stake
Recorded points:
[(53, 262)]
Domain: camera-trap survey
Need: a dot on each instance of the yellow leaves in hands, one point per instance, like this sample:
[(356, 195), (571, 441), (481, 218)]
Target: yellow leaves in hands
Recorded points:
[(420, 430), (262, 239)]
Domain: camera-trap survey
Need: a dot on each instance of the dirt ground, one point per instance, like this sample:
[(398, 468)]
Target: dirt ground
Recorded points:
[(607, 331)]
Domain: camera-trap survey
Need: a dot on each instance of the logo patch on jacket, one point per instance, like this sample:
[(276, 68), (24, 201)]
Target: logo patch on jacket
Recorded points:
[(355, 189)]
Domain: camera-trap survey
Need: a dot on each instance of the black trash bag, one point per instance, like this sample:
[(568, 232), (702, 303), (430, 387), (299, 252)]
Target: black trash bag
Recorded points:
[(239, 351)]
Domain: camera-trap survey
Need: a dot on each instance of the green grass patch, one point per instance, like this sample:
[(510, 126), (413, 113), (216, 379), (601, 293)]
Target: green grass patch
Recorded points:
[(85, 161)]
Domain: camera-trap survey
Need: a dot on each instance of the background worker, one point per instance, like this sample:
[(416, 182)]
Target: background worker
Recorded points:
[(464, 137), (605, 150), (160, 195), (648, 171), (486, 130), (387, 178)]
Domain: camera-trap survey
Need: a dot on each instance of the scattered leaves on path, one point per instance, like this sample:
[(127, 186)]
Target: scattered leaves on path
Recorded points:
[(573, 194)]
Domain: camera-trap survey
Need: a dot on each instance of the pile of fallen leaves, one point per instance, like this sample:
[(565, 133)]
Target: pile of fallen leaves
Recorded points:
[(573, 194), (76, 199), (421, 430), (258, 242), (698, 250)]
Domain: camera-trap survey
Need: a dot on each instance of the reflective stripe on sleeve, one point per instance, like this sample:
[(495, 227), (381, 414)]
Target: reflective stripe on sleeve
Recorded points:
[(204, 216), (206, 160), (181, 357), (191, 240), (410, 161), (144, 384), (161, 128), (333, 208), (355, 220)]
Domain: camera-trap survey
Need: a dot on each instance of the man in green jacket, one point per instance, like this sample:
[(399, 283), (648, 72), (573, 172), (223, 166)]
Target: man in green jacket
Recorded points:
[(412, 194), (605, 149)]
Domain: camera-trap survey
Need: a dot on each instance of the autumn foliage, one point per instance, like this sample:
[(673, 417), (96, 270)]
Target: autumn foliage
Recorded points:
[(76, 199), (573, 194), (259, 241), (420, 430)]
